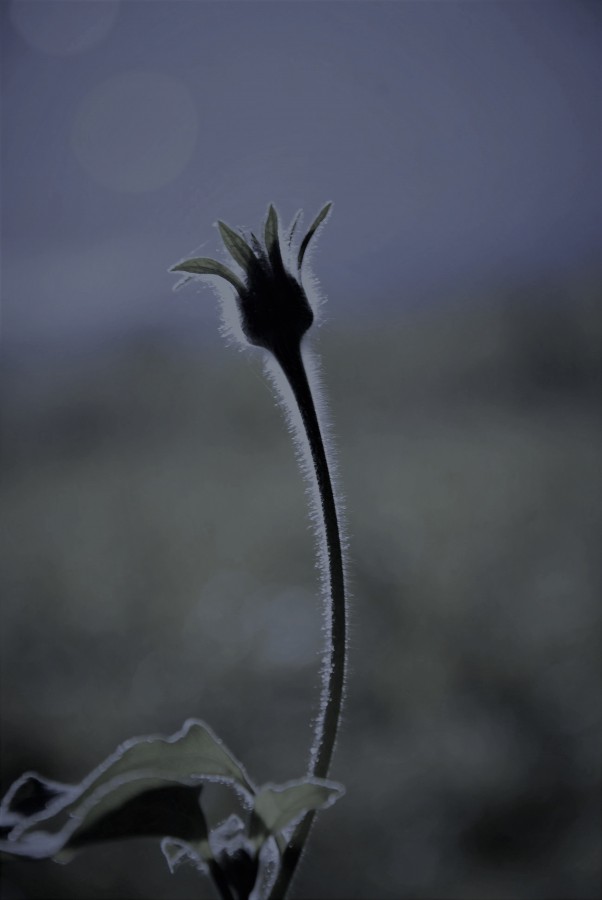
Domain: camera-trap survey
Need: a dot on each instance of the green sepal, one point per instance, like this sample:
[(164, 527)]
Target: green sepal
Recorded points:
[(237, 247), (202, 265), (271, 229), (293, 226), (312, 230), (272, 242)]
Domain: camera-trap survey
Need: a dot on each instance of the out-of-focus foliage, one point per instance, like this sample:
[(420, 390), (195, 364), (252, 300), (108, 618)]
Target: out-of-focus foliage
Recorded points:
[(157, 564)]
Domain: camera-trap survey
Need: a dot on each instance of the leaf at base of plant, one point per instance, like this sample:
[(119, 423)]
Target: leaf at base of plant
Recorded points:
[(277, 806), (148, 787)]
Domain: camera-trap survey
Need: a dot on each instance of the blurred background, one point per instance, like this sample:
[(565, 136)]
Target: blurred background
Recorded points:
[(157, 559)]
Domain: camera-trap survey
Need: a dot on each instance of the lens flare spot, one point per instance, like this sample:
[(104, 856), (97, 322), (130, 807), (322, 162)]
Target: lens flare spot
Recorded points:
[(63, 29), (136, 131)]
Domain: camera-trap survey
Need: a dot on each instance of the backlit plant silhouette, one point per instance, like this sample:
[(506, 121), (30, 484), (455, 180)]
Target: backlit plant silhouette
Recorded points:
[(152, 786)]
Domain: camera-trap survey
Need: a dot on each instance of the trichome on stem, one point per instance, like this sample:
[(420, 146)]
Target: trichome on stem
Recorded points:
[(275, 315)]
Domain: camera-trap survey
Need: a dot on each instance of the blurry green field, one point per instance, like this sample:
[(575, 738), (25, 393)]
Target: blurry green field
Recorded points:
[(157, 563)]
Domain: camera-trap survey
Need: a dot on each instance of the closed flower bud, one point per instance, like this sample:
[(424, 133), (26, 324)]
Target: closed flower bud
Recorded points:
[(273, 306)]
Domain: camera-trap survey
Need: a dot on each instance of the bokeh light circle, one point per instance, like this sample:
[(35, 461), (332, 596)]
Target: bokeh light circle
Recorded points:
[(65, 28), (136, 131)]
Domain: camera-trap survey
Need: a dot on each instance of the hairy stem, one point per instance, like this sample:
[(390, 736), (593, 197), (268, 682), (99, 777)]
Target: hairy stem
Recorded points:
[(327, 724)]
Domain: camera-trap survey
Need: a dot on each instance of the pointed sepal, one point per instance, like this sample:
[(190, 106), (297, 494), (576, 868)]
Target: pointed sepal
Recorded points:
[(312, 230), (237, 247), (293, 226), (202, 265), (272, 242)]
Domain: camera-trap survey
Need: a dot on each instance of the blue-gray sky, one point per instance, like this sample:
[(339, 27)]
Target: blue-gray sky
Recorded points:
[(459, 141)]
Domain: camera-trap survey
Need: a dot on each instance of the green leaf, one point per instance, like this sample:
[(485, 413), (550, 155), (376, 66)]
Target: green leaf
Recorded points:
[(132, 787), (202, 265), (237, 247), (174, 810), (194, 753), (312, 230), (277, 806), (31, 794)]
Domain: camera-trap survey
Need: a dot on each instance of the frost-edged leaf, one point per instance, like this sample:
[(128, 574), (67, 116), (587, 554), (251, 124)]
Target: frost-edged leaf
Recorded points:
[(151, 811), (130, 794), (31, 795), (176, 852), (191, 755), (237, 247), (277, 806), (312, 230), (202, 265)]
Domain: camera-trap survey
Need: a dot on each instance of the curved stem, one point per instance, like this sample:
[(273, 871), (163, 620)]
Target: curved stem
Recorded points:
[(327, 724)]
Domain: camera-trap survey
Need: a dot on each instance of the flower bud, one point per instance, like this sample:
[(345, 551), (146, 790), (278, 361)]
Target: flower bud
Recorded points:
[(273, 306)]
